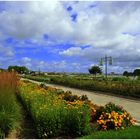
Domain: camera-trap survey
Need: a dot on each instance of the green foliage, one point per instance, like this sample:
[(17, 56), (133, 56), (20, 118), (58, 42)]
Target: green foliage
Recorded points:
[(84, 97), (117, 85), (9, 108), (136, 72), (109, 107), (9, 118), (69, 97), (76, 121), (114, 117), (95, 70), (125, 73), (128, 133), (52, 116), (39, 78), (18, 69)]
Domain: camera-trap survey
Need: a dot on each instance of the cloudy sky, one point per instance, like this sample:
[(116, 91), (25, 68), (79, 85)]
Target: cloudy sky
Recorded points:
[(70, 36)]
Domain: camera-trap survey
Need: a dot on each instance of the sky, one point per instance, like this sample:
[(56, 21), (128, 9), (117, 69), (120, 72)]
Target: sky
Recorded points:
[(70, 36)]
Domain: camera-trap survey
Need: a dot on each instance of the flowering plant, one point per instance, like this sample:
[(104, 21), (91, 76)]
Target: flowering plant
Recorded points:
[(114, 117)]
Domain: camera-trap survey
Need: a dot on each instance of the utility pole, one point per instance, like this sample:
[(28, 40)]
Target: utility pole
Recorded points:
[(105, 60)]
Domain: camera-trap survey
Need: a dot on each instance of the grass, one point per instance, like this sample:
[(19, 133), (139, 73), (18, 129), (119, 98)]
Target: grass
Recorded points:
[(9, 108), (128, 133)]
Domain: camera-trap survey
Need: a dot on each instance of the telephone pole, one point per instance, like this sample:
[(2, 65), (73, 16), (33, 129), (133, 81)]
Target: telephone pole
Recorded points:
[(105, 60)]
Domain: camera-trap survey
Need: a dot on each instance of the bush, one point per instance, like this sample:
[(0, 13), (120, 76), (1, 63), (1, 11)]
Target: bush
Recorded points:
[(114, 117), (69, 97)]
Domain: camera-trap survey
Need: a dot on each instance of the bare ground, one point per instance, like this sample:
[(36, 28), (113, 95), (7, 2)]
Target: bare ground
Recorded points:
[(27, 128)]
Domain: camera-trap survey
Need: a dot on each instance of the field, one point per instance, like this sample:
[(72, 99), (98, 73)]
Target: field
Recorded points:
[(55, 113), (125, 86)]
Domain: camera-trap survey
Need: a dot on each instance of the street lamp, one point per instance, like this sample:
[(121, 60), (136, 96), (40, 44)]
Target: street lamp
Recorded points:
[(105, 60)]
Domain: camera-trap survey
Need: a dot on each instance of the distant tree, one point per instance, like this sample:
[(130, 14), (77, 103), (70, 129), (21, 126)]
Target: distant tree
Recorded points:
[(18, 69), (125, 73), (94, 70), (130, 73), (136, 72)]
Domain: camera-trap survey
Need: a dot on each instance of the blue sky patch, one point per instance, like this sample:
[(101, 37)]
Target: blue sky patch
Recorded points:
[(69, 8), (69, 35), (74, 17)]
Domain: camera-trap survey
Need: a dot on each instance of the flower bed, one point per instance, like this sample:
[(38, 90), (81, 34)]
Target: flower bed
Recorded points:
[(58, 113), (52, 115)]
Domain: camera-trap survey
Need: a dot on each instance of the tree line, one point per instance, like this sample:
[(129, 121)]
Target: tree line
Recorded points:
[(93, 70), (19, 69), (136, 72)]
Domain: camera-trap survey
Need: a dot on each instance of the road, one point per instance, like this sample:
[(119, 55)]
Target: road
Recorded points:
[(132, 106)]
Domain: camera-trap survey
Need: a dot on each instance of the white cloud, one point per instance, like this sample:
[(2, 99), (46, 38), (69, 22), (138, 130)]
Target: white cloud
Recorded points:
[(73, 51), (6, 51), (26, 59), (111, 28)]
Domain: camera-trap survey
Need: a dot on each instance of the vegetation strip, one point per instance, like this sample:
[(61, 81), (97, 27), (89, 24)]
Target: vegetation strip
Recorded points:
[(62, 116), (51, 115), (10, 114), (128, 133), (119, 86), (55, 113)]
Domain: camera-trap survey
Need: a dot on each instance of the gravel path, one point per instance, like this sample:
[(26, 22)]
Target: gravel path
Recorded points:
[(132, 106)]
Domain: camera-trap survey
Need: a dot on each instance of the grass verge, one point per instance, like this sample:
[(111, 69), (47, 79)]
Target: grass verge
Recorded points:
[(128, 133)]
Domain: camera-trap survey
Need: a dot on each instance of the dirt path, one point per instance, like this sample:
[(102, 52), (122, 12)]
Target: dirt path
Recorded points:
[(132, 106), (27, 128)]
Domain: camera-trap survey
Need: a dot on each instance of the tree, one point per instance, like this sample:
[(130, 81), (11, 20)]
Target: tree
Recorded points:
[(18, 69), (125, 73), (136, 72), (94, 70)]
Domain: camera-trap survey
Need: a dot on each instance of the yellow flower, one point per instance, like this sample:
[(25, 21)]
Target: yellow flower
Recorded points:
[(109, 116)]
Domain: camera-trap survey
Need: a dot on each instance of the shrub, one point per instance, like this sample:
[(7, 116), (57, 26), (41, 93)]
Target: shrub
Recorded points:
[(109, 107), (114, 117), (69, 97), (84, 97)]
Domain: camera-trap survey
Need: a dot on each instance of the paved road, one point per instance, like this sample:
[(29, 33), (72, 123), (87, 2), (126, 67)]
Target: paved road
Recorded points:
[(132, 106)]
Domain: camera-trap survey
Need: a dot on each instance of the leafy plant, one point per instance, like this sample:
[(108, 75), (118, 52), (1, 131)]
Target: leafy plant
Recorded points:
[(114, 117)]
